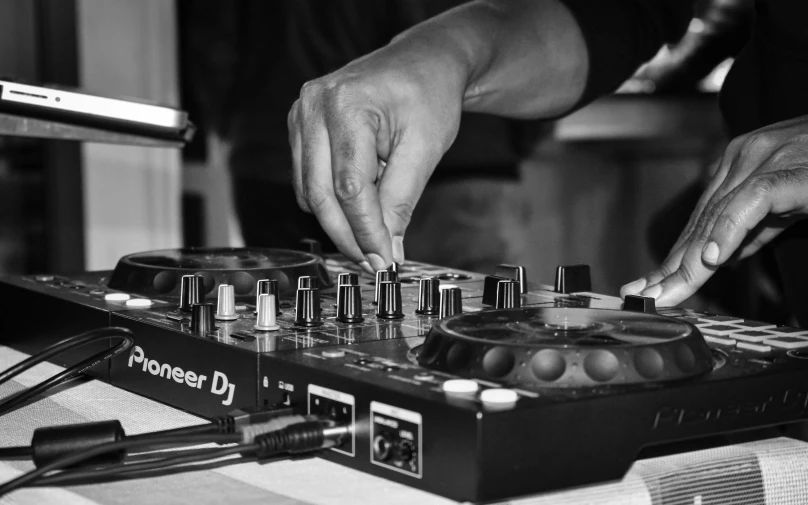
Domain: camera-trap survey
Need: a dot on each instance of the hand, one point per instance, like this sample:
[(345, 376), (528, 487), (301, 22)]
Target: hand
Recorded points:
[(365, 140), (760, 188)]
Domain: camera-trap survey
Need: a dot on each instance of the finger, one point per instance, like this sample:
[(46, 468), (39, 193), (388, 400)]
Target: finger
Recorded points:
[(756, 240), (780, 192), (318, 191), (404, 180), (354, 171), (296, 144)]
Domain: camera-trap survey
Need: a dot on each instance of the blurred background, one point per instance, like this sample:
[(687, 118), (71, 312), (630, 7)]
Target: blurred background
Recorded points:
[(611, 185)]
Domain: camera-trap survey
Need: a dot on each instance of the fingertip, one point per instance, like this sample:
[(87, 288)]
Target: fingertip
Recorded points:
[(710, 253), (652, 291), (377, 262), (364, 265), (398, 249), (633, 288)]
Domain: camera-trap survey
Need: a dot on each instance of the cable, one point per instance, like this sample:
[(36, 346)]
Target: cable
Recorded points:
[(74, 458), (15, 452), (185, 430), (69, 373)]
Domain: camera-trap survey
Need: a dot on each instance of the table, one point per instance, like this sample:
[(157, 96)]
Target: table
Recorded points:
[(774, 469)]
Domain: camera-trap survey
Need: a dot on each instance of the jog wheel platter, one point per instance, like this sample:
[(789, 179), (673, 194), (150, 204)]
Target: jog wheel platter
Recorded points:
[(566, 347), (159, 272)]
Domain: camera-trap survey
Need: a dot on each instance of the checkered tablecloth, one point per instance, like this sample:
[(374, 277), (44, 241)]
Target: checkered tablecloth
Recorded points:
[(781, 463)]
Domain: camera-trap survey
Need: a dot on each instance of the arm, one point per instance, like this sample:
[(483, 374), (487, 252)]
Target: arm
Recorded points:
[(402, 103)]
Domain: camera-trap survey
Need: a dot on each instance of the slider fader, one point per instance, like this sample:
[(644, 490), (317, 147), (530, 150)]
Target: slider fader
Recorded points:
[(473, 386)]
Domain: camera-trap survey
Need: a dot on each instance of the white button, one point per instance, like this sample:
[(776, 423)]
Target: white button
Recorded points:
[(499, 396), (424, 377), (460, 386), (43, 278), (139, 303), (333, 354), (754, 347), (116, 297)]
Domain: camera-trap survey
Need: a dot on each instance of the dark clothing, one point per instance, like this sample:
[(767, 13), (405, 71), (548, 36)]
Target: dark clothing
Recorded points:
[(768, 80)]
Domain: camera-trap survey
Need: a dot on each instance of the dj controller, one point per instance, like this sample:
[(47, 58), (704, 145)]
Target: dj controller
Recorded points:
[(472, 386)]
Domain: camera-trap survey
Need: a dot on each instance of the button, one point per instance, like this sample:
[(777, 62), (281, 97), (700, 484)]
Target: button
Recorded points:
[(719, 340), (572, 279), (361, 361), (97, 292), (425, 377), (754, 347), (391, 368), (720, 319), (719, 329), (787, 342), (226, 303), (138, 303), (334, 354), (460, 386), (267, 316), (790, 331), (116, 297), (752, 336), (43, 278), (498, 396), (756, 325)]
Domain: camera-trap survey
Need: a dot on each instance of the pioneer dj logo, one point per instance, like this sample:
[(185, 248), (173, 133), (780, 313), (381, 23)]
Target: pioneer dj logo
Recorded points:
[(790, 403), (219, 385)]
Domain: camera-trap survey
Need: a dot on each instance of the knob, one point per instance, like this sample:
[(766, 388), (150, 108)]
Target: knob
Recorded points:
[(515, 272), (573, 279), (450, 301), (508, 296), (389, 300), (349, 303), (202, 318), (268, 287), (636, 303), (226, 303), (305, 281), (346, 279), (267, 314), (394, 267), (383, 276), (192, 291), (307, 309), (428, 296), (312, 246)]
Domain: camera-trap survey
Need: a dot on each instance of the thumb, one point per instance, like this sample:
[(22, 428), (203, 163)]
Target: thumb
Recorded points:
[(405, 176)]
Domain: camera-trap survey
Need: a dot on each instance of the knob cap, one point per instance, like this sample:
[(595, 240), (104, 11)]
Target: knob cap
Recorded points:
[(450, 301), (573, 279), (636, 303), (428, 296), (226, 303), (383, 276), (508, 295), (306, 281), (312, 246), (192, 291), (267, 314), (202, 318), (394, 267), (389, 300), (307, 309), (349, 303), (268, 287), (345, 279), (515, 272)]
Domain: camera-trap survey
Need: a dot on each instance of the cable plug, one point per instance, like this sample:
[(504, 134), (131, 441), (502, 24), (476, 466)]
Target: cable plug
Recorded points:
[(301, 437), (236, 420)]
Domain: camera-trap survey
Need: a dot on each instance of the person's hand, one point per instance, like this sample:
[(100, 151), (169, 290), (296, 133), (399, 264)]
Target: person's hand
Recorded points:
[(365, 140), (760, 188)]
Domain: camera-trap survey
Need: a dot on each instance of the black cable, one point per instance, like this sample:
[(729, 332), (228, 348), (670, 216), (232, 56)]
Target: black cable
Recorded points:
[(74, 458), (185, 430), (131, 470), (15, 452), (69, 373)]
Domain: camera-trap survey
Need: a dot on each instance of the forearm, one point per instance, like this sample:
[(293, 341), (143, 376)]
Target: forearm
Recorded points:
[(516, 58)]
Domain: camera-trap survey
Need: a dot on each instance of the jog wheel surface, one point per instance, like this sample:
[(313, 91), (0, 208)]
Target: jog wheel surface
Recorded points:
[(158, 273), (566, 347)]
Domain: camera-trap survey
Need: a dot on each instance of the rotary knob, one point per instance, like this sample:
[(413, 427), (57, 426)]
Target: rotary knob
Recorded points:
[(268, 287), (226, 303), (346, 279), (307, 308), (306, 281), (389, 300), (573, 279), (267, 314), (428, 296), (508, 296), (515, 272), (450, 301), (349, 304), (383, 276), (202, 320), (192, 291)]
